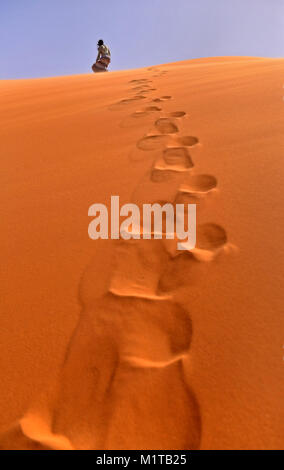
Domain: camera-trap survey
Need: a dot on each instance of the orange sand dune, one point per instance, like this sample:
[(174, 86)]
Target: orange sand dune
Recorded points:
[(116, 344)]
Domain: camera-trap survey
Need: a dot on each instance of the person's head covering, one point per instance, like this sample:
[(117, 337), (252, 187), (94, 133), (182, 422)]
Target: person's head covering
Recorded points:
[(100, 42)]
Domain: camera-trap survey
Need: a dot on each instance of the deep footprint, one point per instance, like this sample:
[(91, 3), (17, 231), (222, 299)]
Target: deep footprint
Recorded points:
[(199, 184), (141, 80), (181, 272), (153, 108), (166, 126), (210, 237), (159, 175), (148, 90), (144, 87), (130, 100), (163, 98), (178, 114), (187, 141), (112, 350), (152, 142), (163, 415), (175, 158)]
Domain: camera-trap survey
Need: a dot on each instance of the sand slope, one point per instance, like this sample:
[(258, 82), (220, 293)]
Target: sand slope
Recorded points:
[(116, 344)]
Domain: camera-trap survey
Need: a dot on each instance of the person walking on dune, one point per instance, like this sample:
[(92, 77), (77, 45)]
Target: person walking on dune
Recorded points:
[(103, 58)]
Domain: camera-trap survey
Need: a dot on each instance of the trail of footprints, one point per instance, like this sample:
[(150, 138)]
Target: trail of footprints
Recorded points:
[(123, 372)]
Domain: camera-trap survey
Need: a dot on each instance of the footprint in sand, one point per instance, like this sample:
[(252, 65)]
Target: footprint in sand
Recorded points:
[(187, 141), (140, 88), (177, 114), (139, 114), (157, 185), (177, 156), (166, 126), (125, 360), (143, 87), (159, 74), (211, 239), (125, 102), (153, 108), (156, 142), (161, 99), (141, 80), (145, 90), (130, 100), (142, 116), (159, 175), (152, 142), (175, 159), (198, 185), (181, 271)]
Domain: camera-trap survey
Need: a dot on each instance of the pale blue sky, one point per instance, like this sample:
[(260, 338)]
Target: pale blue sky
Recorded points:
[(41, 38)]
